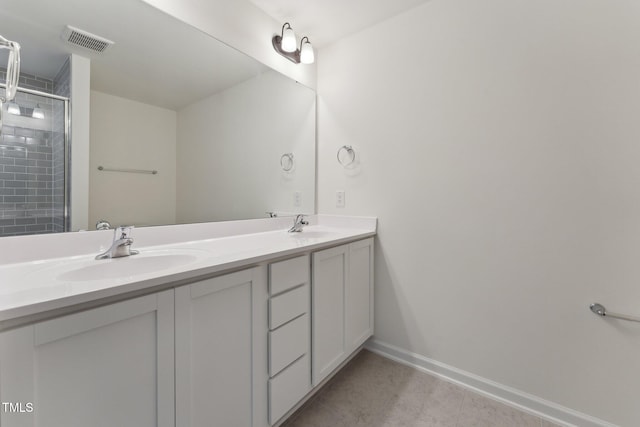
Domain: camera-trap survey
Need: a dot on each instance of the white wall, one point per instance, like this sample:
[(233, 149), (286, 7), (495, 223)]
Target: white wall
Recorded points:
[(241, 25), (130, 134), (499, 147), (228, 158), (80, 112)]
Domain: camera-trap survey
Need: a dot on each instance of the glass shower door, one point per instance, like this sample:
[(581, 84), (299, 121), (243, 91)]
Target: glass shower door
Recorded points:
[(33, 165)]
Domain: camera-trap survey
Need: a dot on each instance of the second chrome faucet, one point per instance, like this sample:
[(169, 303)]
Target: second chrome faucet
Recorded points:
[(298, 224), (121, 246)]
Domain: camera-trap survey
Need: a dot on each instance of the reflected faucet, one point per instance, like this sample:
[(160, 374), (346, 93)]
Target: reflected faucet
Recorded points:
[(121, 245), (103, 225), (298, 223)]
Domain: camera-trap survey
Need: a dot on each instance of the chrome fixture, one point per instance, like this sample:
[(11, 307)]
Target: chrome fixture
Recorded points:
[(103, 225), (348, 157), (286, 45), (298, 224), (106, 169), (601, 311), (13, 72), (286, 162), (121, 245)]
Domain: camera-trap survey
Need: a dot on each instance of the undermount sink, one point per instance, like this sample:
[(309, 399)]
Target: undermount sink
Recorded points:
[(134, 265)]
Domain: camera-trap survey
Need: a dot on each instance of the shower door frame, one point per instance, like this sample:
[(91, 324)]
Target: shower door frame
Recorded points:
[(66, 215)]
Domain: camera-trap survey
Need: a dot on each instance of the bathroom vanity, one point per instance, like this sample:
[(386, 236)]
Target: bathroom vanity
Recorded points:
[(234, 328)]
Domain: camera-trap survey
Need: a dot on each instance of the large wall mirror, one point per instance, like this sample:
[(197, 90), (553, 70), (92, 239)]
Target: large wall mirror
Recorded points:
[(227, 137)]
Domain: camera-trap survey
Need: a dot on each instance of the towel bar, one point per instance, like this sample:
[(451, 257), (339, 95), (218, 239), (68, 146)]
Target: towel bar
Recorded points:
[(601, 311), (150, 172)]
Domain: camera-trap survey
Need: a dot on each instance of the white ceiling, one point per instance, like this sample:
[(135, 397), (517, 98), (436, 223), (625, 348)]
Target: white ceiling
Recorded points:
[(326, 21), (156, 59), (143, 45)]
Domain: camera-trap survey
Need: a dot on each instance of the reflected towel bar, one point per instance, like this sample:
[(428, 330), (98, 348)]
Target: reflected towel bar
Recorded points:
[(601, 311), (102, 168)]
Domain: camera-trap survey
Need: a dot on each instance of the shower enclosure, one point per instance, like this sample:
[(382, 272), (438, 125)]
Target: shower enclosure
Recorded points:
[(34, 160)]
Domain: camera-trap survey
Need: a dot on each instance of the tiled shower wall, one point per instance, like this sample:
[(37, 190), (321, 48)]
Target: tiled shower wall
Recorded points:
[(32, 163)]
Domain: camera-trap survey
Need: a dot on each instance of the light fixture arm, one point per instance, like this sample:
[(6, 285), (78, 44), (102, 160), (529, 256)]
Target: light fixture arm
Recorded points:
[(291, 56), (285, 26)]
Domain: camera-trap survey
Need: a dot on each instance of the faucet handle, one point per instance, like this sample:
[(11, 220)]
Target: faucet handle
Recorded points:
[(103, 225), (123, 232)]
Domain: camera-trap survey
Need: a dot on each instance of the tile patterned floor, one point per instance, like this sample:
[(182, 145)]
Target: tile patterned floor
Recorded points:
[(372, 391)]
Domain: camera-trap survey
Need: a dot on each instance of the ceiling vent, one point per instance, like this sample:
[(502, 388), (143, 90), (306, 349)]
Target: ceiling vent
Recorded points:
[(85, 39)]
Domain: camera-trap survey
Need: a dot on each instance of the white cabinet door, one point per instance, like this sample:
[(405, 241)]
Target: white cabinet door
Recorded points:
[(342, 304), (359, 294), (218, 323), (104, 367), (329, 275)]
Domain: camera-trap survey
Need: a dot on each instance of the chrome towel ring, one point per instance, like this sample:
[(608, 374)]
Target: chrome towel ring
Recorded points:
[(286, 162), (347, 159)]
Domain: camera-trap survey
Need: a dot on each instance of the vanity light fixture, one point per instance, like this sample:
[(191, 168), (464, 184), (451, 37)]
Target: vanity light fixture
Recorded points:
[(38, 113), (286, 45)]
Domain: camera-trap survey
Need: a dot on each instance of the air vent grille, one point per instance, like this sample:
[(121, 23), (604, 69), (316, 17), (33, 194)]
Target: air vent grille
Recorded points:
[(85, 39)]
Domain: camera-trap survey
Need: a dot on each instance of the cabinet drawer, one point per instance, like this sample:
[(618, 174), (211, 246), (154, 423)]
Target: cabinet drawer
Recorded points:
[(288, 388), (288, 306), (288, 274), (288, 343)]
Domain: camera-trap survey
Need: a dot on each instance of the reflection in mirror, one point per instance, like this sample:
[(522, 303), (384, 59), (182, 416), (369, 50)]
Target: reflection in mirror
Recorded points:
[(164, 97)]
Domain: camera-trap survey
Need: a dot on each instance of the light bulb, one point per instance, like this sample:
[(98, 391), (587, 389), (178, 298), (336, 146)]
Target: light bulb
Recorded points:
[(306, 53), (289, 43), (38, 113), (13, 108)]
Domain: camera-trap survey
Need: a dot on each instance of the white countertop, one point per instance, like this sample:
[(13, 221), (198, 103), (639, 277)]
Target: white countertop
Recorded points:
[(35, 286)]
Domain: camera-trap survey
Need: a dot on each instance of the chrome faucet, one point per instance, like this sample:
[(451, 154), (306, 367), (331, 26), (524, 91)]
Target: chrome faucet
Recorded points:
[(103, 225), (298, 223), (121, 245)]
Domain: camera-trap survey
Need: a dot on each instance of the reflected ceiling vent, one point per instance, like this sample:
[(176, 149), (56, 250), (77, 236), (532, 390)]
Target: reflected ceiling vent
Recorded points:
[(85, 39)]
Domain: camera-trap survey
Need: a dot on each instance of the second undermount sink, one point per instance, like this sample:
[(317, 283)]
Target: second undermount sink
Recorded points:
[(144, 263)]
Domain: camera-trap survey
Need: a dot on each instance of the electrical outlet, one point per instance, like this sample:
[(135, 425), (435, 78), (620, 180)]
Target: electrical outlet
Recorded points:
[(340, 199), (297, 198)]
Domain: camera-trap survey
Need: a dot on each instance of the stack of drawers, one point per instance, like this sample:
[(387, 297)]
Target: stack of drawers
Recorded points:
[(289, 335)]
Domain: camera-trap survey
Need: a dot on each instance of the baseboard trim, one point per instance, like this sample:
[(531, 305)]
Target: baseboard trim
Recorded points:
[(523, 401)]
